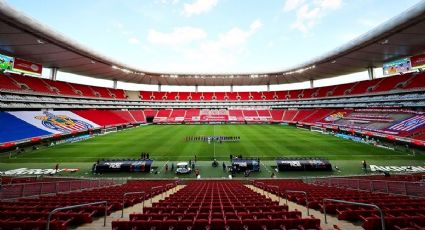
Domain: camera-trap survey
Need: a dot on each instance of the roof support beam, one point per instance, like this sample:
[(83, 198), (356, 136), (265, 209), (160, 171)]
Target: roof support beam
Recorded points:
[(398, 37), (114, 84), (311, 83), (53, 73), (371, 72)]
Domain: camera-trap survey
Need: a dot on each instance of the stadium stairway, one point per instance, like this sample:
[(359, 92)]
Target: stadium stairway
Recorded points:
[(332, 220), (217, 205), (97, 224)]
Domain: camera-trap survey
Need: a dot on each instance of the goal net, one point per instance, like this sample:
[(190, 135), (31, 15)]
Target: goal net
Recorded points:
[(318, 129), (108, 130)]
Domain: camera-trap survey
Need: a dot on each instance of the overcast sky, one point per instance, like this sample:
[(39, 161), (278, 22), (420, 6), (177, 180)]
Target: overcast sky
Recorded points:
[(211, 36)]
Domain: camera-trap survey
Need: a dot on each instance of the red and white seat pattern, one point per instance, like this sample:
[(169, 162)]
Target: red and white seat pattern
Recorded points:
[(406, 82)]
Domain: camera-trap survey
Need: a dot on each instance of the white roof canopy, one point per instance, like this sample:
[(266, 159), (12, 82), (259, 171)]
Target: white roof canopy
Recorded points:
[(23, 37)]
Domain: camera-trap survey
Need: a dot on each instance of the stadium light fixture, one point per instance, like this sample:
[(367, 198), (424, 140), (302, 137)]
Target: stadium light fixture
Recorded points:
[(333, 62), (384, 42), (300, 70), (39, 41), (122, 69)]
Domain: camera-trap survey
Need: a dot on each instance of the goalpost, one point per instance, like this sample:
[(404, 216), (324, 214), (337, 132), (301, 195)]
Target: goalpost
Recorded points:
[(317, 129), (108, 130)]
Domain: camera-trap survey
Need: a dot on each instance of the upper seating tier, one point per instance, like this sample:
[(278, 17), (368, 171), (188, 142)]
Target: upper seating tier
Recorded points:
[(411, 81)]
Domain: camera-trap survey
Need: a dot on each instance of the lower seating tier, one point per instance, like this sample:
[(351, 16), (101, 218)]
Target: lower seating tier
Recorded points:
[(217, 205)]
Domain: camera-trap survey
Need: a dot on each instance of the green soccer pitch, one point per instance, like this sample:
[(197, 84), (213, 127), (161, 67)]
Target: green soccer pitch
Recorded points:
[(166, 145)]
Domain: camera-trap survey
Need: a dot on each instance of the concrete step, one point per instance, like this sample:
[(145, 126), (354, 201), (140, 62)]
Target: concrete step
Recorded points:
[(331, 219), (97, 223)]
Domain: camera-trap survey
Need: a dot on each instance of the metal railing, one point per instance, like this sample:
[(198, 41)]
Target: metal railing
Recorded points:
[(166, 187), (286, 193), (171, 185), (22, 179), (414, 189), (13, 191), (302, 192), (153, 188), (277, 190), (105, 203), (262, 184), (132, 193), (355, 203)]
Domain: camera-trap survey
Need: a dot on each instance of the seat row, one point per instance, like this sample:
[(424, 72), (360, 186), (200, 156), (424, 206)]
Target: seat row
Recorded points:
[(32, 213), (400, 211), (217, 205), (220, 224), (14, 82)]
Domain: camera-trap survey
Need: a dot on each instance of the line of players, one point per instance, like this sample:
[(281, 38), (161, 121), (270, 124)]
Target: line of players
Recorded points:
[(214, 138)]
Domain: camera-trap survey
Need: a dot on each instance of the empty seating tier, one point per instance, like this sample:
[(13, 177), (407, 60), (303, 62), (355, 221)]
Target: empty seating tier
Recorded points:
[(407, 82), (400, 212), (106, 117), (32, 213), (217, 205)]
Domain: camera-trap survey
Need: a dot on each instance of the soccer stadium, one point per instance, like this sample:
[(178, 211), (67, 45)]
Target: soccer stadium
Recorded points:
[(212, 114)]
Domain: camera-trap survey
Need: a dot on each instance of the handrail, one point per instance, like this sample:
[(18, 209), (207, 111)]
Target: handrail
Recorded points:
[(278, 190), (373, 180), (41, 182), (259, 182), (169, 186), (345, 182), (352, 176), (355, 203), (303, 192), (76, 184), (156, 187), (130, 193), (77, 206)]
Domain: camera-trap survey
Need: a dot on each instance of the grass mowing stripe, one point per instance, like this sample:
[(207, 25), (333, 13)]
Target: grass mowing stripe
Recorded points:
[(166, 143)]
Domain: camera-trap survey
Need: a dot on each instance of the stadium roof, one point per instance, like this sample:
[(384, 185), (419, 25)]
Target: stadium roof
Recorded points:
[(24, 37)]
